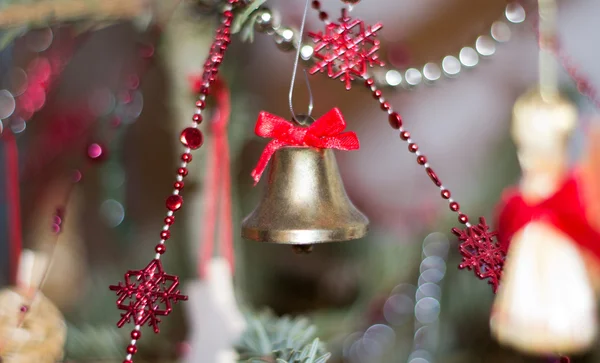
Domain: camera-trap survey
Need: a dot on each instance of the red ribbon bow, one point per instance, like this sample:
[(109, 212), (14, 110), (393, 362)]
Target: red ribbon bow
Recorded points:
[(564, 210), (324, 133)]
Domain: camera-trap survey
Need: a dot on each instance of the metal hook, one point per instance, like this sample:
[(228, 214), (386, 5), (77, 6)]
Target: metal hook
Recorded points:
[(296, 61)]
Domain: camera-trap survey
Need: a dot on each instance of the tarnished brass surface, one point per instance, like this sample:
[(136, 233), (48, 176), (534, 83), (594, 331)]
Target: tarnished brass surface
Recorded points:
[(305, 202)]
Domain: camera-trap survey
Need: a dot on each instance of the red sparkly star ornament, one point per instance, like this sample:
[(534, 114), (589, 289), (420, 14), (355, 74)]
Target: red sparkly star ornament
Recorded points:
[(346, 49), (147, 294), (481, 252)]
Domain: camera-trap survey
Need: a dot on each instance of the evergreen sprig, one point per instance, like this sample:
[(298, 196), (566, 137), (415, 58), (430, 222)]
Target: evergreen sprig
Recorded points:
[(245, 18), (270, 339)]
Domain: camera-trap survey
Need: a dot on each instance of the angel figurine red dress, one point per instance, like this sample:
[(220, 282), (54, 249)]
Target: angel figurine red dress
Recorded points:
[(546, 303)]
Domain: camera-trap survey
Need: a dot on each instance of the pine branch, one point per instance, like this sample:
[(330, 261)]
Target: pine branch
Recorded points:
[(269, 339)]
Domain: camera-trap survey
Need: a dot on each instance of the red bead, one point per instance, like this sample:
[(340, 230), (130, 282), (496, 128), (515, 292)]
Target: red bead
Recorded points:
[(421, 159), (316, 4), (24, 308), (192, 138), (462, 218), (323, 16), (454, 206), (96, 152), (127, 361), (178, 185), (182, 171), (405, 135), (136, 334), (412, 147), (445, 194), (200, 104), (133, 81), (377, 93), (169, 220), (385, 106), (433, 176), (395, 120), (160, 248), (187, 157), (204, 90), (174, 202), (369, 82), (197, 118), (165, 235), (131, 349), (55, 228), (228, 14), (227, 22)]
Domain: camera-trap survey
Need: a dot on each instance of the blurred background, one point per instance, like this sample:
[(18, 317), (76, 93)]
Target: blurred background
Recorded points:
[(105, 104)]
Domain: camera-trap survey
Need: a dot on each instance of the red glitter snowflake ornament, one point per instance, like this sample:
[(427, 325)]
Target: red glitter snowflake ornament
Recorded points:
[(147, 294), (481, 252), (346, 49)]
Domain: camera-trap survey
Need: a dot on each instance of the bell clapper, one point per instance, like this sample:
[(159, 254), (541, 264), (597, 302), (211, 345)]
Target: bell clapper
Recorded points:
[(302, 249)]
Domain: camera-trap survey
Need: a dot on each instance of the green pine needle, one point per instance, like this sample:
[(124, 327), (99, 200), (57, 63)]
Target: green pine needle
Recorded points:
[(270, 339)]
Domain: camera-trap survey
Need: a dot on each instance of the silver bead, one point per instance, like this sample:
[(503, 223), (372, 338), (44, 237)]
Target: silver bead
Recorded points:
[(413, 77), (264, 20), (285, 39)]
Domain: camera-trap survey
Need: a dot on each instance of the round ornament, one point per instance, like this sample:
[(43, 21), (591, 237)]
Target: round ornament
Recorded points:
[(32, 330)]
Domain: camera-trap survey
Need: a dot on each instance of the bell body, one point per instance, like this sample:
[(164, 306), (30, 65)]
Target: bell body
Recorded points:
[(305, 202), (546, 303)]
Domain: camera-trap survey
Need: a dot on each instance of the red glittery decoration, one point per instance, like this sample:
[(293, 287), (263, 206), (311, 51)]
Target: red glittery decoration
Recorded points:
[(147, 294), (481, 252), (346, 49)]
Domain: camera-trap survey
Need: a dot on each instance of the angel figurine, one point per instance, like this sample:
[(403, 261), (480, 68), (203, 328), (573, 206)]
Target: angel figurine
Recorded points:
[(546, 303)]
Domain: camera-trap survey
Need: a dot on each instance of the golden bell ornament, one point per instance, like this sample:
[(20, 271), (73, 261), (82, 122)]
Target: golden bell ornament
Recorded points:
[(305, 202)]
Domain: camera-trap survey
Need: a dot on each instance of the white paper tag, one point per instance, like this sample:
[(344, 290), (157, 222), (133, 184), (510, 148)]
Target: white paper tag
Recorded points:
[(216, 322)]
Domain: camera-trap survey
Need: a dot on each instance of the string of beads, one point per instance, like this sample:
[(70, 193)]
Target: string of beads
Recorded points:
[(192, 139)]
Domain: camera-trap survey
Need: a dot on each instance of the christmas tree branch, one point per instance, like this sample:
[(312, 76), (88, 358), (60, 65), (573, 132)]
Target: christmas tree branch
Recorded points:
[(48, 11)]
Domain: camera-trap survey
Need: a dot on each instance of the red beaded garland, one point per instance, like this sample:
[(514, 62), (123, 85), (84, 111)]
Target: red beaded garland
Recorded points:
[(316, 4), (462, 218), (405, 135), (385, 106), (323, 16), (174, 202), (454, 206), (377, 93), (412, 147), (445, 194), (421, 160), (192, 138)]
